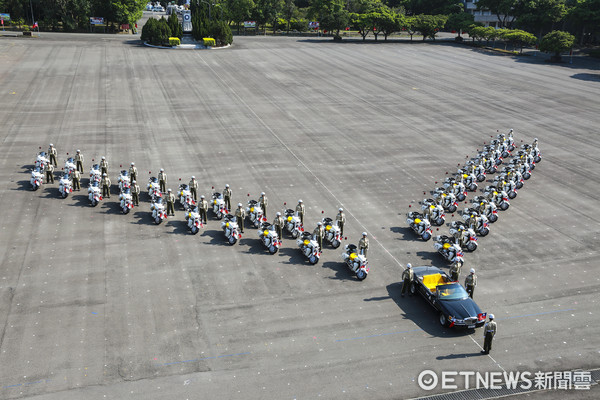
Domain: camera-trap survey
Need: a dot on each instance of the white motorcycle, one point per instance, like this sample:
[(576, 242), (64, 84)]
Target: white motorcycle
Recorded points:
[(333, 233), (419, 224), (231, 229), (124, 180), (433, 211), (154, 187), (126, 200), (37, 179), (534, 151), (356, 262), (41, 160), (269, 238), (255, 213), (482, 226), (218, 203), (158, 210), (94, 193), (310, 247), (185, 197), (526, 158), (466, 237), (95, 175), (455, 187), (498, 196), (507, 185), (451, 251), (70, 166), (292, 223), (65, 186), (194, 223), (514, 175), (485, 207), (469, 180), (446, 200), (522, 167)]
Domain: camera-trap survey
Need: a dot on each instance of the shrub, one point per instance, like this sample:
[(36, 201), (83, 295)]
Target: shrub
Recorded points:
[(176, 30), (174, 41), (209, 42), (556, 42), (221, 32)]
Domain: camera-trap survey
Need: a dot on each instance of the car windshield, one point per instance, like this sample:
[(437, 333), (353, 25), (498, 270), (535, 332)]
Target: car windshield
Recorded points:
[(453, 291)]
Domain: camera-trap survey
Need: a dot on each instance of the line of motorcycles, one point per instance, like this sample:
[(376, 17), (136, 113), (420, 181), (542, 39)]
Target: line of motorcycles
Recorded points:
[(65, 182), (483, 210)]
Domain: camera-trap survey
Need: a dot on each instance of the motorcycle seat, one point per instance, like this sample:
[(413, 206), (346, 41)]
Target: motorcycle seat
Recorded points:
[(216, 195), (327, 220), (352, 248), (306, 235), (252, 202)]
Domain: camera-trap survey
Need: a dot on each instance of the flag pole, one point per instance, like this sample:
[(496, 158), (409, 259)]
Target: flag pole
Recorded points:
[(32, 18)]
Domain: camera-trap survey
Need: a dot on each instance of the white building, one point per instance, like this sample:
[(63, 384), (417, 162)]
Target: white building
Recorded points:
[(484, 16)]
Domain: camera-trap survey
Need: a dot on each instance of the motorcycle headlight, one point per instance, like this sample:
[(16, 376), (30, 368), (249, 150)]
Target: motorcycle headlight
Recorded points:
[(266, 233), (290, 218), (353, 256), (328, 228), (306, 242), (227, 224), (251, 209), (214, 201)]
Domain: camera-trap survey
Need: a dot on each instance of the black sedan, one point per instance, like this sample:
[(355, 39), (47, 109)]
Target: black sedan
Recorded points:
[(448, 297)]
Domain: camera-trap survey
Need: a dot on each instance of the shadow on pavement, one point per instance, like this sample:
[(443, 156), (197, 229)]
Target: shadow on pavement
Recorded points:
[(406, 232), (217, 237), (179, 226), (342, 272), (111, 207), (432, 256), (417, 310), (294, 254), (253, 245), (454, 356), (587, 77), (23, 185), (143, 218), (52, 192), (81, 200)]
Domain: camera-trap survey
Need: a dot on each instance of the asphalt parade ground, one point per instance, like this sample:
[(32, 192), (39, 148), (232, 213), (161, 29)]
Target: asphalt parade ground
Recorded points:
[(99, 305)]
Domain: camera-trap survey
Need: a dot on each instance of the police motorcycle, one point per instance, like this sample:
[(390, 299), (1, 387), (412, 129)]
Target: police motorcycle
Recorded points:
[(70, 166), (41, 160), (124, 180), (185, 197), (534, 151), (468, 178), (433, 212), (514, 175), (478, 222), (157, 207), (94, 193), (498, 196), (522, 166), (506, 184), (218, 203), (268, 237), (95, 175), (65, 185), (231, 229), (465, 236), (419, 224), (456, 187), (37, 178), (477, 164), (526, 158), (502, 147), (126, 200), (445, 199), (310, 247), (193, 220), (485, 208), (356, 262), (292, 223), (254, 213), (153, 187), (332, 232), (449, 249), (508, 139)]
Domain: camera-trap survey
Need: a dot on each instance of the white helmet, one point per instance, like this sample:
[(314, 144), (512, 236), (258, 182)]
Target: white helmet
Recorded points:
[(51, 145), (300, 201), (78, 151), (104, 174), (169, 189), (278, 214), (408, 265), (491, 316), (132, 181), (162, 170), (193, 177), (364, 233), (340, 209), (239, 204), (262, 193), (104, 158), (472, 270), (132, 164), (227, 185), (319, 223), (202, 196)]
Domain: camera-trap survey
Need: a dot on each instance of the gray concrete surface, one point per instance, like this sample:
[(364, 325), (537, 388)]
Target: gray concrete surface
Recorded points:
[(98, 305)]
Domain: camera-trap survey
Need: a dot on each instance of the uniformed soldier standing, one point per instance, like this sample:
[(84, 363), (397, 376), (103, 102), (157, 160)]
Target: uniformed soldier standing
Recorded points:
[(79, 161), (227, 197), (162, 180), (170, 203), (489, 331), (194, 188), (203, 208), (318, 234), (49, 172), (341, 219), (455, 271), (471, 282), (133, 172), (363, 244), (52, 154), (105, 186), (407, 276), (103, 166), (77, 179), (240, 213), (135, 193), (300, 211), (263, 203), (278, 222)]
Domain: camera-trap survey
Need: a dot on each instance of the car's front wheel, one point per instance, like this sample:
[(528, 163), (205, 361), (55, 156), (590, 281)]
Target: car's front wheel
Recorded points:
[(443, 320)]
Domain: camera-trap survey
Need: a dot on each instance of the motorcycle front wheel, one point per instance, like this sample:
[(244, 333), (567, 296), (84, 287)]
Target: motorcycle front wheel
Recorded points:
[(313, 259), (438, 221), (64, 194), (194, 229), (273, 249), (471, 246), (219, 216), (94, 203), (232, 240), (452, 208), (460, 197), (426, 236), (537, 159), (125, 210), (484, 232), (512, 194), (480, 178), (157, 220), (361, 275), (472, 187), (493, 218), (295, 234), (335, 244), (504, 206)]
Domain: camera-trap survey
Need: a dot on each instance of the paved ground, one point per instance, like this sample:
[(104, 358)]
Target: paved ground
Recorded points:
[(95, 304)]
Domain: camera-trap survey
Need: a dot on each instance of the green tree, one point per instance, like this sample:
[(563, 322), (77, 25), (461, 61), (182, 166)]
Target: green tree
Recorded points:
[(266, 11), (556, 42), (221, 32), (585, 16), (433, 7), (460, 22), (539, 14), (175, 26), (240, 11), (429, 25), (504, 10), (518, 38), (331, 14), (362, 23)]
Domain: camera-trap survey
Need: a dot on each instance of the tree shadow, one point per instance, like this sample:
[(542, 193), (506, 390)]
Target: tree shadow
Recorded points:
[(143, 218), (294, 254), (342, 272), (179, 227), (417, 310), (217, 237)]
